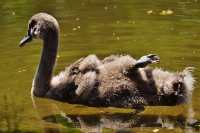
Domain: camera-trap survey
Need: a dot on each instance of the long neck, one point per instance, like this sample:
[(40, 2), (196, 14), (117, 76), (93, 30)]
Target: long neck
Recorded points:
[(41, 82)]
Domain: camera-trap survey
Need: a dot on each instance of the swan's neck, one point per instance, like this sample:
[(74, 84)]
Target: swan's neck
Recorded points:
[(41, 82)]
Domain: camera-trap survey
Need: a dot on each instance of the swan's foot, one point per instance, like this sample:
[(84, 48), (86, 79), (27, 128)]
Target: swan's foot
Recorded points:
[(147, 59)]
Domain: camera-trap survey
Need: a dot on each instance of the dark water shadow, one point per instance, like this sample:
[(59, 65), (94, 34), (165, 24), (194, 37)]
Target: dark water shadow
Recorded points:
[(95, 123)]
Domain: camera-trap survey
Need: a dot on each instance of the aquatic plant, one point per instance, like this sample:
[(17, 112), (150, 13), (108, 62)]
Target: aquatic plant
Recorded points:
[(10, 114)]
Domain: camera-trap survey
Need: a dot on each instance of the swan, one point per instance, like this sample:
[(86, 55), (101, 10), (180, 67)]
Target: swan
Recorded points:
[(117, 80)]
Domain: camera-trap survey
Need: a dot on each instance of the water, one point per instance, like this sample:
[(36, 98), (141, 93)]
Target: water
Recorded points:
[(102, 27)]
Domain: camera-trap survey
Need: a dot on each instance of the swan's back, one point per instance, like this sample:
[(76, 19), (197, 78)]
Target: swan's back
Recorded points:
[(112, 75), (111, 71)]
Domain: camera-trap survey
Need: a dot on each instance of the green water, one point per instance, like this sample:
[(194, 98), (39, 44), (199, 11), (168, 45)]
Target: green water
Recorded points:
[(101, 27)]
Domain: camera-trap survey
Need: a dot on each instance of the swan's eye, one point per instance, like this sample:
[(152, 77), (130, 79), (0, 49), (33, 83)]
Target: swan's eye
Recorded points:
[(32, 23), (31, 26)]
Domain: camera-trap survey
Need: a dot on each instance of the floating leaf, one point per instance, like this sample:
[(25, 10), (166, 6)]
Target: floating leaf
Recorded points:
[(166, 12), (149, 12)]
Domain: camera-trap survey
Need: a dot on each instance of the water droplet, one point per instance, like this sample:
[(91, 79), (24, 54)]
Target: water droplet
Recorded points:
[(131, 22), (21, 70), (74, 29), (115, 6), (150, 12), (13, 13), (155, 130), (106, 8)]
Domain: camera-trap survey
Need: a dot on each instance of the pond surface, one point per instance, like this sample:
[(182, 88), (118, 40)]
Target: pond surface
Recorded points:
[(170, 29)]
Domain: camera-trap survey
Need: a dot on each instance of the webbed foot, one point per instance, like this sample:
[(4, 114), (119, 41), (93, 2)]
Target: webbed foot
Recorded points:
[(147, 59)]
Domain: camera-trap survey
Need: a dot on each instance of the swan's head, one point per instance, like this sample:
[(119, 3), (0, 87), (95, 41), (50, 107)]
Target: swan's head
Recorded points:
[(41, 25)]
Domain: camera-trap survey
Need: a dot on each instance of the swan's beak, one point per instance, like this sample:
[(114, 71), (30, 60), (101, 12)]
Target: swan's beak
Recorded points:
[(25, 40)]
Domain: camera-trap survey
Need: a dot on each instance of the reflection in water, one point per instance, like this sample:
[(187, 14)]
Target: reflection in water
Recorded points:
[(96, 123), (115, 121)]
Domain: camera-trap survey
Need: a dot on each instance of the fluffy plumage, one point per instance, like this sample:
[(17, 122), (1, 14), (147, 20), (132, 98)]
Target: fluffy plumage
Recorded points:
[(119, 81)]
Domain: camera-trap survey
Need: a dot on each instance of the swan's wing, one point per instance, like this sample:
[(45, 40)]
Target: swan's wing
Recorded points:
[(66, 76), (83, 65), (89, 63), (110, 58)]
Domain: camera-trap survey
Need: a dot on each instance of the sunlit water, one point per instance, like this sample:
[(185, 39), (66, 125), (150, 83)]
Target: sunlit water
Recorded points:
[(170, 29)]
